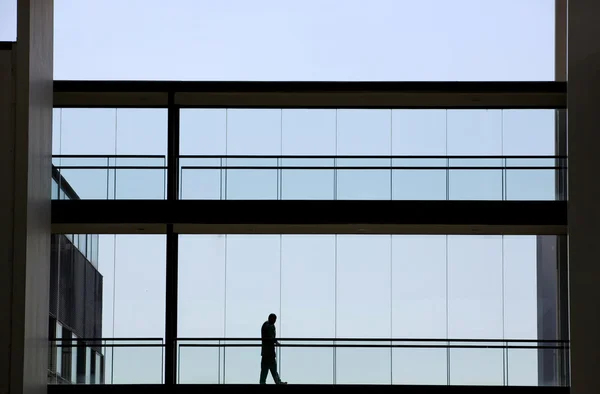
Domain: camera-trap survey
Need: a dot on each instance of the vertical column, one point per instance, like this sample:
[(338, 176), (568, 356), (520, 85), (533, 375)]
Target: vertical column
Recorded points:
[(25, 149), (172, 245), (584, 193)]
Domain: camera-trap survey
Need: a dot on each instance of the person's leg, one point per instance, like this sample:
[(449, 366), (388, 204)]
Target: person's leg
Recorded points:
[(264, 371), (273, 368)]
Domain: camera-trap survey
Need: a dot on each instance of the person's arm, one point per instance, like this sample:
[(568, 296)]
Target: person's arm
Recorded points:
[(273, 335)]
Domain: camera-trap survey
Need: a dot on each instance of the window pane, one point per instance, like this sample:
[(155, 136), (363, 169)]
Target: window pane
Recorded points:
[(201, 286), (201, 306), (88, 131), (419, 286), (254, 132), (528, 132), (363, 262), (474, 132), (520, 305), (308, 132), (203, 131), (141, 131), (482, 367), (364, 132), (307, 306), (252, 293), (474, 288), (420, 132)]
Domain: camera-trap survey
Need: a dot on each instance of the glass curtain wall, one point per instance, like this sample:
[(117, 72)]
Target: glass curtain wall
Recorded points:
[(348, 154), (366, 287)]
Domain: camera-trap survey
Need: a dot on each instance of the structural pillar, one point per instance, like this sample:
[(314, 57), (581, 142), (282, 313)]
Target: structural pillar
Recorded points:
[(25, 165), (583, 128)]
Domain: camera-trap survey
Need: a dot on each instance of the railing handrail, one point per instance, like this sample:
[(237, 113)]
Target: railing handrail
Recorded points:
[(439, 157), (108, 156), (354, 339), (107, 339)]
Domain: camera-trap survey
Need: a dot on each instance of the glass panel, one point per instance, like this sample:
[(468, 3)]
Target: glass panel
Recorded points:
[(253, 131), (256, 184), (538, 185), (88, 131), (419, 184), (528, 132), (135, 125), (307, 184), (364, 184), (474, 132), (74, 370), (137, 365), (88, 365), (201, 184), (520, 254), (138, 276), (199, 365), (252, 288), (300, 365), (419, 132), (144, 183), (363, 365), (428, 366), (59, 349), (56, 131), (307, 259), (308, 132), (242, 364), (54, 191), (364, 132), (482, 367), (87, 183), (203, 131), (419, 286), (522, 365), (475, 305), (476, 185), (364, 262), (201, 290)]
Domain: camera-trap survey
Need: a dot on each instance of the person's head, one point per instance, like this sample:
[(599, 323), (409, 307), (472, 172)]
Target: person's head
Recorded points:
[(272, 318)]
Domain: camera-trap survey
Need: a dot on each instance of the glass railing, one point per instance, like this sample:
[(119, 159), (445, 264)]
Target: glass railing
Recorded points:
[(117, 177), (483, 362), (499, 178), (377, 361), (106, 361), (370, 177)]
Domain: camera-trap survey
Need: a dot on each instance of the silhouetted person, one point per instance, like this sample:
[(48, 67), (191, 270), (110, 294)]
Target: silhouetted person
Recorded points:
[(268, 361)]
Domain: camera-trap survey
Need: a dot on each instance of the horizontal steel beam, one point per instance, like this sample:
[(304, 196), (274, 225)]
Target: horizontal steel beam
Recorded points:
[(308, 217), (311, 94), (301, 388)]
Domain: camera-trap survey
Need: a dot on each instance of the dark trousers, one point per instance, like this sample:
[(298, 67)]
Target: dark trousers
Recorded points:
[(268, 364)]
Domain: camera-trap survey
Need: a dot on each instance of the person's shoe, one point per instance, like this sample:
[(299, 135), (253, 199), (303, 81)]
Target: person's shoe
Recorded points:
[(282, 382)]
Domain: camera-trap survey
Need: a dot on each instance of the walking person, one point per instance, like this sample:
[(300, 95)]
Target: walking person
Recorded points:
[(268, 360)]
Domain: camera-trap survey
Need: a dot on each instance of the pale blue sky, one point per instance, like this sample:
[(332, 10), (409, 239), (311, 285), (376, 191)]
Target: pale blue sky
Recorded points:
[(366, 286)]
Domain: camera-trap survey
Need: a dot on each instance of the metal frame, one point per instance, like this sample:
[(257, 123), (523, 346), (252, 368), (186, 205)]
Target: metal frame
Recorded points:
[(175, 95), (389, 95)]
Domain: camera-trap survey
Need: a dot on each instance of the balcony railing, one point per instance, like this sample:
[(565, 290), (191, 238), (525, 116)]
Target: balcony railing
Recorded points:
[(375, 361), (383, 361), (106, 361), (499, 178)]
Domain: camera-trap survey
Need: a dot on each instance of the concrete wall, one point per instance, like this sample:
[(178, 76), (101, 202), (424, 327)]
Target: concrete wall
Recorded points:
[(6, 209), (25, 147), (584, 192)]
